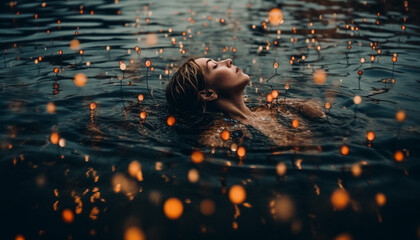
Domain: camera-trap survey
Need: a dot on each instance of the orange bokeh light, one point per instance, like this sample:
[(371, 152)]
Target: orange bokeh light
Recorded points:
[(67, 216), (80, 80), (134, 233), (275, 93), (320, 76), (275, 16), (241, 152), (143, 115), (173, 208), (207, 207), (344, 150), (237, 194), (54, 138), (398, 156), (295, 123), (370, 136), (75, 44), (170, 121), (400, 116), (380, 199), (340, 199), (92, 105), (225, 135), (140, 97), (197, 156)]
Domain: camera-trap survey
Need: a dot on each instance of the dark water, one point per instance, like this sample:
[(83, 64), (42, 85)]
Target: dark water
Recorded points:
[(89, 176)]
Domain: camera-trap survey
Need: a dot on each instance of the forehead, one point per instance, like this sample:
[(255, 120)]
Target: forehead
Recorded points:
[(202, 62)]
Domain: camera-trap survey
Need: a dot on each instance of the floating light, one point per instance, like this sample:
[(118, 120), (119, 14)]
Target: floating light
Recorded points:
[(398, 156), (67, 216), (123, 66), (225, 135), (193, 175), (320, 76), (380, 199), (340, 199), (370, 136), (75, 44), (295, 123), (80, 80), (140, 97), (54, 138), (237, 194), (357, 99), (143, 115), (281, 168), (241, 151), (92, 105), (173, 208), (344, 150), (134, 233), (148, 63), (50, 107), (170, 121), (275, 93), (400, 116), (197, 156), (275, 16)]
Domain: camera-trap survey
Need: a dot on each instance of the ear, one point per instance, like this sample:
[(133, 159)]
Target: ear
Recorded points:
[(207, 95)]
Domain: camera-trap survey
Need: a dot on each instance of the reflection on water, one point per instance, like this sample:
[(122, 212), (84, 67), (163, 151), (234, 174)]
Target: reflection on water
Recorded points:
[(89, 151)]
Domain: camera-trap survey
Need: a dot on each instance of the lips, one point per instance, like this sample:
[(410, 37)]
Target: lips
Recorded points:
[(237, 69)]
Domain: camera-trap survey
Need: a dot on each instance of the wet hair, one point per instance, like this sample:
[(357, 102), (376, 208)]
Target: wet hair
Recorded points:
[(182, 90)]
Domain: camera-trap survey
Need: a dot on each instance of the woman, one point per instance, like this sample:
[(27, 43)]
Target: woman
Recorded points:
[(203, 85)]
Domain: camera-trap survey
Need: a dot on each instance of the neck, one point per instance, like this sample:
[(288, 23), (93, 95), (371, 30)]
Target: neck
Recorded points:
[(235, 108)]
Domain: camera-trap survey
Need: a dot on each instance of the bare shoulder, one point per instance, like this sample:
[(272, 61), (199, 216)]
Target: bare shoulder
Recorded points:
[(307, 108)]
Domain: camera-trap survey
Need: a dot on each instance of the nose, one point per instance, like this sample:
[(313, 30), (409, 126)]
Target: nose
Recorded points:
[(229, 62)]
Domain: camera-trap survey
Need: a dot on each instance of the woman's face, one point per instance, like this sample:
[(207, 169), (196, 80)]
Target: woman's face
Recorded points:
[(223, 76)]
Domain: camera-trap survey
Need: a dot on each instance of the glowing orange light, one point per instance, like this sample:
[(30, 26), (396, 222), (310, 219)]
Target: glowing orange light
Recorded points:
[(225, 135), (56, 70), (340, 199), (207, 207), (75, 44), (275, 93), (357, 99), (394, 59), (380, 199), (276, 65), (140, 97), (370, 136), (67, 216), (398, 156), (241, 151), (295, 123), (134, 233), (148, 63), (343, 236), (92, 105), (356, 169), (137, 49), (123, 66), (143, 115), (400, 116), (269, 98), (81, 52), (60, 52), (360, 72), (275, 16), (193, 175), (320, 76), (80, 80), (327, 105), (51, 108), (344, 150), (197, 156), (173, 208), (237, 194), (281, 168), (20, 237), (170, 121), (54, 138)]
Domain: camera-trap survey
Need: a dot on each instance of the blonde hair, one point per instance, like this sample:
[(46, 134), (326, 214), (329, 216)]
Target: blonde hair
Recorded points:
[(182, 90)]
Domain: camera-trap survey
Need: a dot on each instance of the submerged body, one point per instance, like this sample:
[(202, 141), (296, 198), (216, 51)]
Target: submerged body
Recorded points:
[(267, 123)]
